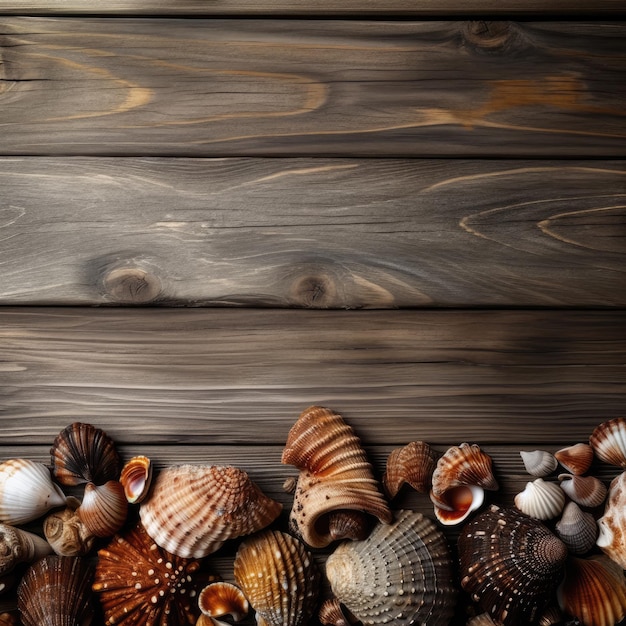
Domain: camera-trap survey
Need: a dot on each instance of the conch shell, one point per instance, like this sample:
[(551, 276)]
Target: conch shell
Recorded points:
[(612, 525), (193, 509), (400, 574), (65, 531), (336, 479), (19, 546), (608, 441), (413, 465)]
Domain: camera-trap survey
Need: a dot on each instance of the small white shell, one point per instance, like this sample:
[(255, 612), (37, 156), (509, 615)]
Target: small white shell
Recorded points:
[(540, 499), (538, 463)]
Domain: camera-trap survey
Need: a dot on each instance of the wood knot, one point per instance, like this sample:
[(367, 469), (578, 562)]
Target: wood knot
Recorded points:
[(131, 285), (488, 36), (314, 291)]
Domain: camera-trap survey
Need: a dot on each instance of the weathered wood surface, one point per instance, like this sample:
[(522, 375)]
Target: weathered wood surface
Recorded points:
[(319, 233), (289, 88), (241, 376)]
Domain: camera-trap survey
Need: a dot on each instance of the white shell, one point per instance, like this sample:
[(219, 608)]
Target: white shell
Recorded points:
[(538, 463), (612, 525), (540, 499)]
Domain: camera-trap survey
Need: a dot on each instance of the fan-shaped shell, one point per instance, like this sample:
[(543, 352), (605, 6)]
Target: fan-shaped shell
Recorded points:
[(413, 465), (193, 509), (593, 591), (608, 441), (612, 525), (66, 533), (331, 613), (576, 459), (278, 577), (577, 529), (540, 499), (136, 477), (335, 476), (401, 574), (510, 564), (587, 491), (104, 508), (19, 546), (82, 453), (538, 463), (56, 591), (26, 491)]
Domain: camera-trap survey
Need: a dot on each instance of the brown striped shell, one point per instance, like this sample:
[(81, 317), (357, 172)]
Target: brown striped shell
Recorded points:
[(193, 509), (587, 491), (413, 465), (104, 508), (335, 479), (575, 459), (608, 441), (278, 577), (510, 564), (612, 525), (400, 574)]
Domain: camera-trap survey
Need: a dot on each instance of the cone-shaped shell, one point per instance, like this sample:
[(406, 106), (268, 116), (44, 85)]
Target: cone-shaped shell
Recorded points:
[(510, 564), (278, 577), (593, 591), (401, 574), (540, 499), (221, 598), (136, 477), (587, 491), (82, 453), (335, 476), (19, 546), (104, 508), (575, 459), (538, 463), (413, 465), (193, 509), (608, 441), (577, 529), (66, 533), (461, 502), (26, 491), (56, 591), (612, 525)]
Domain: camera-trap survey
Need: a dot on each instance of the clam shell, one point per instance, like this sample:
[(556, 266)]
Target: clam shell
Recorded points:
[(104, 508), (540, 499), (539, 463), (402, 573), (193, 509), (510, 564), (587, 491), (413, 465), (278, 577), (221, 598), (612, 525), (593, 591), (56, 591), (19, 546), (461, 502), (26, 491), (82, 453), (335, 475), (608, 441), (136, 477), (577, 529), (575, 459), (66, 533)]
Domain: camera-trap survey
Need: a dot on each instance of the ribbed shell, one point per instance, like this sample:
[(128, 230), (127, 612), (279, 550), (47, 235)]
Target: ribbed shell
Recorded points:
[(400, 574), (413, 465), (193, 509), (612, 525), (510, 564), (587, 491), (540, 499), (221, 598), (82, 453), (576, 459), (19, 546), (577, 529), (335, 475), (538, 463), (608, 441), (278, 577), (56, 591), (104, 508)]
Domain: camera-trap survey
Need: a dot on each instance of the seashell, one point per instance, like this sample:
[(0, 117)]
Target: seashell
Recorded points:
[(19, 546), (331, 613), (8, 619), (402, 573), (279, 577), (136, 477), (56, 591), (335, 476), (104, 508), (193, 509), (612, 525), (66, 533), (510, 564), (576, 459), (551, 616), (484, 619), (460, 501), (586, 491), (593, 591), (576, 529), (461, 465), (538, 463), (221, 598), (540, 499), (26, 491), (608, 441), (82, 453), (413, 464)]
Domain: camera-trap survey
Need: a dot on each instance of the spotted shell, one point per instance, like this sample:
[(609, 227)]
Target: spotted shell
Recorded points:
[(587, 491), (104, 508), (66, 533), (19, 546), (56, 591), (577, 529), (576, 459), (510, 564), (400, 574), (136, 478), (538, 463), (193, 509), (278, 577), (612, 525), (335, 477), (541, 499), (413, 465), (608, 441), (82, 453)]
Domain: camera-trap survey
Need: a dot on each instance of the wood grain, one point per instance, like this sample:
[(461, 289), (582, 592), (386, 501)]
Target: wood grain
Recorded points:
[(292, 88), (312, 233)]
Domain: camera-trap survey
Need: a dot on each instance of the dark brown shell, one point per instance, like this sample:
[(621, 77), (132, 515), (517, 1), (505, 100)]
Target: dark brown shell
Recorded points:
[(413, 465), (510, 564)]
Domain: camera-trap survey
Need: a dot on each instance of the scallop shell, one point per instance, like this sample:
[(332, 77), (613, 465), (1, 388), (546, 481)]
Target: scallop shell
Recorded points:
[(577, 529), (576, 459), (413, 465), (66, 533), (402, 573), (335, 476), (82, 453), (612, 525), (608, 441), (56, 591), (278, 577), (510, 564), (539, 463), (221, 598), (331, 613), (193, 509), (587, 491), (104, 508), (136, 477), (540, 499), (19, 546), (593, 591), (26, 491), (461, 502)]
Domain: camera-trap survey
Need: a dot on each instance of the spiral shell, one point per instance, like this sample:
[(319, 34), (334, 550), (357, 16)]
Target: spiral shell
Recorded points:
[(221, 598), (104, 508), (66, 533), (19, 546), (576, 459), (278, 577), (587, 491), (413, 465), (193, 509), (538, 463), (461, 502), (26, 491), (540, 499), (577, 529), (510, 564), (608, 441), (136, 478), (612, 525), (335, 477), (402, 573)]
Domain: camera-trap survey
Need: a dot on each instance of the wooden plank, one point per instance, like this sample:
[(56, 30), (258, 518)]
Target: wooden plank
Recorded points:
[(243, 376), (315, 233), (288, 88)]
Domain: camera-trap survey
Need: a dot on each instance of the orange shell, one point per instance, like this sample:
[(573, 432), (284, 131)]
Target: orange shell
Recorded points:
[(608, 441), (221, 598), (576, 459), (104, 508), (136, 477), (413, 464)]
